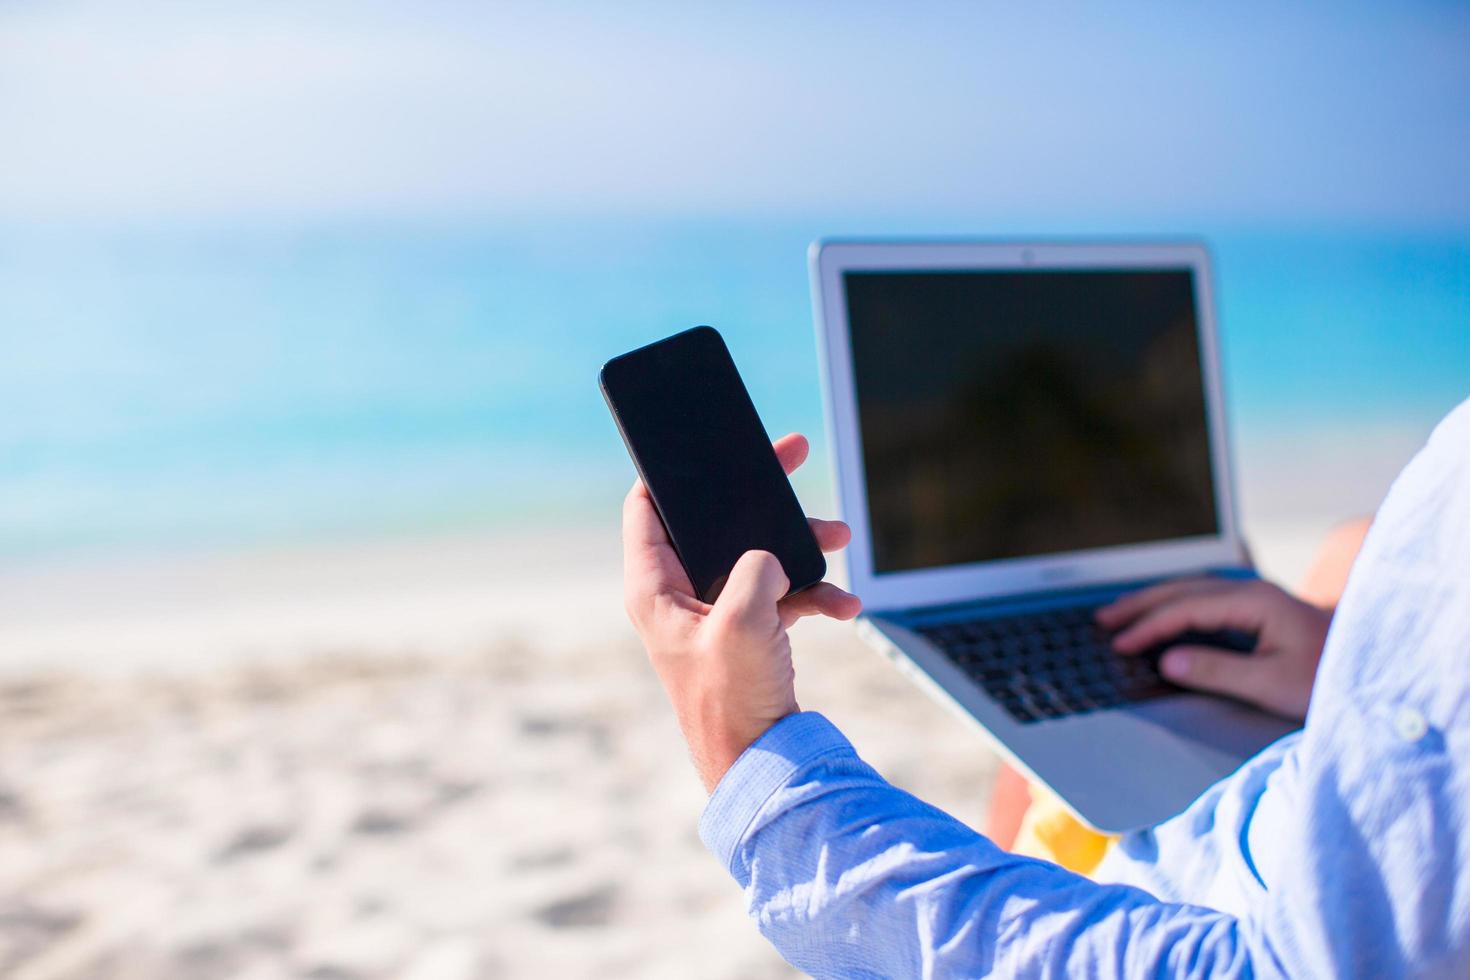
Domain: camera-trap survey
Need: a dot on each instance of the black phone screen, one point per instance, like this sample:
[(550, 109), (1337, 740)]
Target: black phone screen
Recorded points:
[(701, 450)]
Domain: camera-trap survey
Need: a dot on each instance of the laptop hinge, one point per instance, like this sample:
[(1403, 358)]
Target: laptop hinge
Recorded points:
[(1078, 596)]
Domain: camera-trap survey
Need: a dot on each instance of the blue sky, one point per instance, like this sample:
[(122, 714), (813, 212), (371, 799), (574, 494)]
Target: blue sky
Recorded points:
[(1339, 115)]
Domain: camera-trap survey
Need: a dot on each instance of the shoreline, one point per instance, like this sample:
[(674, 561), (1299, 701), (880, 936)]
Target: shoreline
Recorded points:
[(455, 592), (428, 594)]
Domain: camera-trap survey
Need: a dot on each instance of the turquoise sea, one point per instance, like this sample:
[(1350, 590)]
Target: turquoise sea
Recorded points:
[(196, 386)]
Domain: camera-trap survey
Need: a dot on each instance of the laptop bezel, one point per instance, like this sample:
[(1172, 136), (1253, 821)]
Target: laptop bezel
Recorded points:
[(982, 580)]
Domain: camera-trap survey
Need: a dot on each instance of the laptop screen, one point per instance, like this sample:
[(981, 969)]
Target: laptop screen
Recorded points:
[(1017, 413)]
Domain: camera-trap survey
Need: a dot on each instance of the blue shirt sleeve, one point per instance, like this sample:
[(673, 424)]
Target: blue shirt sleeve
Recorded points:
[(850, 877), (1358, 841)]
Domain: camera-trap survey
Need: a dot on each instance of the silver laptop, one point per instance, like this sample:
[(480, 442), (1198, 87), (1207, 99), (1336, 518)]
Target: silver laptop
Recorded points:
[(1023, 432)]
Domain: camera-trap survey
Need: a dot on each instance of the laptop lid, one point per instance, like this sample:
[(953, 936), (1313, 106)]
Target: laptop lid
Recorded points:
[(1008, 418)]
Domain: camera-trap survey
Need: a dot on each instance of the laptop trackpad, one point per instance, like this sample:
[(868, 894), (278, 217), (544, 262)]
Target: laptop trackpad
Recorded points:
[(1224, 732), (1151, 760)]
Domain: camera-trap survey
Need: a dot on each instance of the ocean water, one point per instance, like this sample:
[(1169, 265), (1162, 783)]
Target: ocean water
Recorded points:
[(198, 386)]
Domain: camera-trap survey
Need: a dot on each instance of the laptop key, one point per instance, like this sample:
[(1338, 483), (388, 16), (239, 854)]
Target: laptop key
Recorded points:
[(1048, 664)]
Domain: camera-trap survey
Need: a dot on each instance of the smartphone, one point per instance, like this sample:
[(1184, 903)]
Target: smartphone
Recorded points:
[(704, 456)]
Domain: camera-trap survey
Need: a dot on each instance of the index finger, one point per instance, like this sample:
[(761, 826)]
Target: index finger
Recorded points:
[(1127, 608), (1204, 612), (641, 524), (650, 563)]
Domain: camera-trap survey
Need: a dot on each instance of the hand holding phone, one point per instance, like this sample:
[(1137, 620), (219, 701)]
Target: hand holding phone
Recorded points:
[(727, 666), (714, 614), (707, 462)]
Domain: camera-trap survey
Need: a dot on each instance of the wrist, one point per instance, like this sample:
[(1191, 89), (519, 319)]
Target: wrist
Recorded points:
[(716, 742)]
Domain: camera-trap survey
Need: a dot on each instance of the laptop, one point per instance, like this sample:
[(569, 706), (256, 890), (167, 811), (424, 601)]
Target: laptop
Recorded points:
[(1023, 432)]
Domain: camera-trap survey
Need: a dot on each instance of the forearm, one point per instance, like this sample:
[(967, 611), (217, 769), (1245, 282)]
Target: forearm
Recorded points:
[(847, 876)]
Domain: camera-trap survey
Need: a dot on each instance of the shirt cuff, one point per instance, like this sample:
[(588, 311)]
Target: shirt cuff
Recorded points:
[(766, 766)]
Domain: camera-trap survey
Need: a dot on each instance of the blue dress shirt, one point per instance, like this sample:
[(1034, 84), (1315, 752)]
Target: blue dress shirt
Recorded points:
[(1342, 850)]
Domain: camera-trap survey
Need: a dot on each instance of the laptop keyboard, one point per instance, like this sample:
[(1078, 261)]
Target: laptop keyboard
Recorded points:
[(1049, 664)]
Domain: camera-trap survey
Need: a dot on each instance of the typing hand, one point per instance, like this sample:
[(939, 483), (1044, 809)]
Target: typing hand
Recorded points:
[(726, 667), (1278, 676)]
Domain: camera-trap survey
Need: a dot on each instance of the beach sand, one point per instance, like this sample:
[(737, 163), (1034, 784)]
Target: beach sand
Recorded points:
[(427, 758), (431, 769)]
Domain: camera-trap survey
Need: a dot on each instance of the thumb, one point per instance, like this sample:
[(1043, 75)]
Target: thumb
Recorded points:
[(756, 584), (1244, 676)]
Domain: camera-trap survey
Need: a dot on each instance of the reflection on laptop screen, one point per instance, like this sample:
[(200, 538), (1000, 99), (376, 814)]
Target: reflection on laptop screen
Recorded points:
[(1015, 413)]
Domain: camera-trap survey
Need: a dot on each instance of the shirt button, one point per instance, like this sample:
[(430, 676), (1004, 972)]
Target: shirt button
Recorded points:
[(1410, 725)]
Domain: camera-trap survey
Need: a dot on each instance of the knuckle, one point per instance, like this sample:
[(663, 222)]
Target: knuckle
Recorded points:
[(633, 607), (636, 599)]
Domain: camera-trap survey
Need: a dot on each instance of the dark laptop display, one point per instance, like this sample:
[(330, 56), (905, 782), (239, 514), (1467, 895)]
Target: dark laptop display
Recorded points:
[(1007, 414)]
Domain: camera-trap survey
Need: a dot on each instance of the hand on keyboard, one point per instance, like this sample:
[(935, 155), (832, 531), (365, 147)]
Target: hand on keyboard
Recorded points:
[(1168, 619)]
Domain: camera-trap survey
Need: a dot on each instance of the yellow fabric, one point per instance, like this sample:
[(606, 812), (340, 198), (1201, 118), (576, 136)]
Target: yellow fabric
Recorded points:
[(1049, 832)]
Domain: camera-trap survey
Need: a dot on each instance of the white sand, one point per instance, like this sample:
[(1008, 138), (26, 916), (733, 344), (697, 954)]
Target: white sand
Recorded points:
[(427, 759), (401, 761), (190, 612)]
